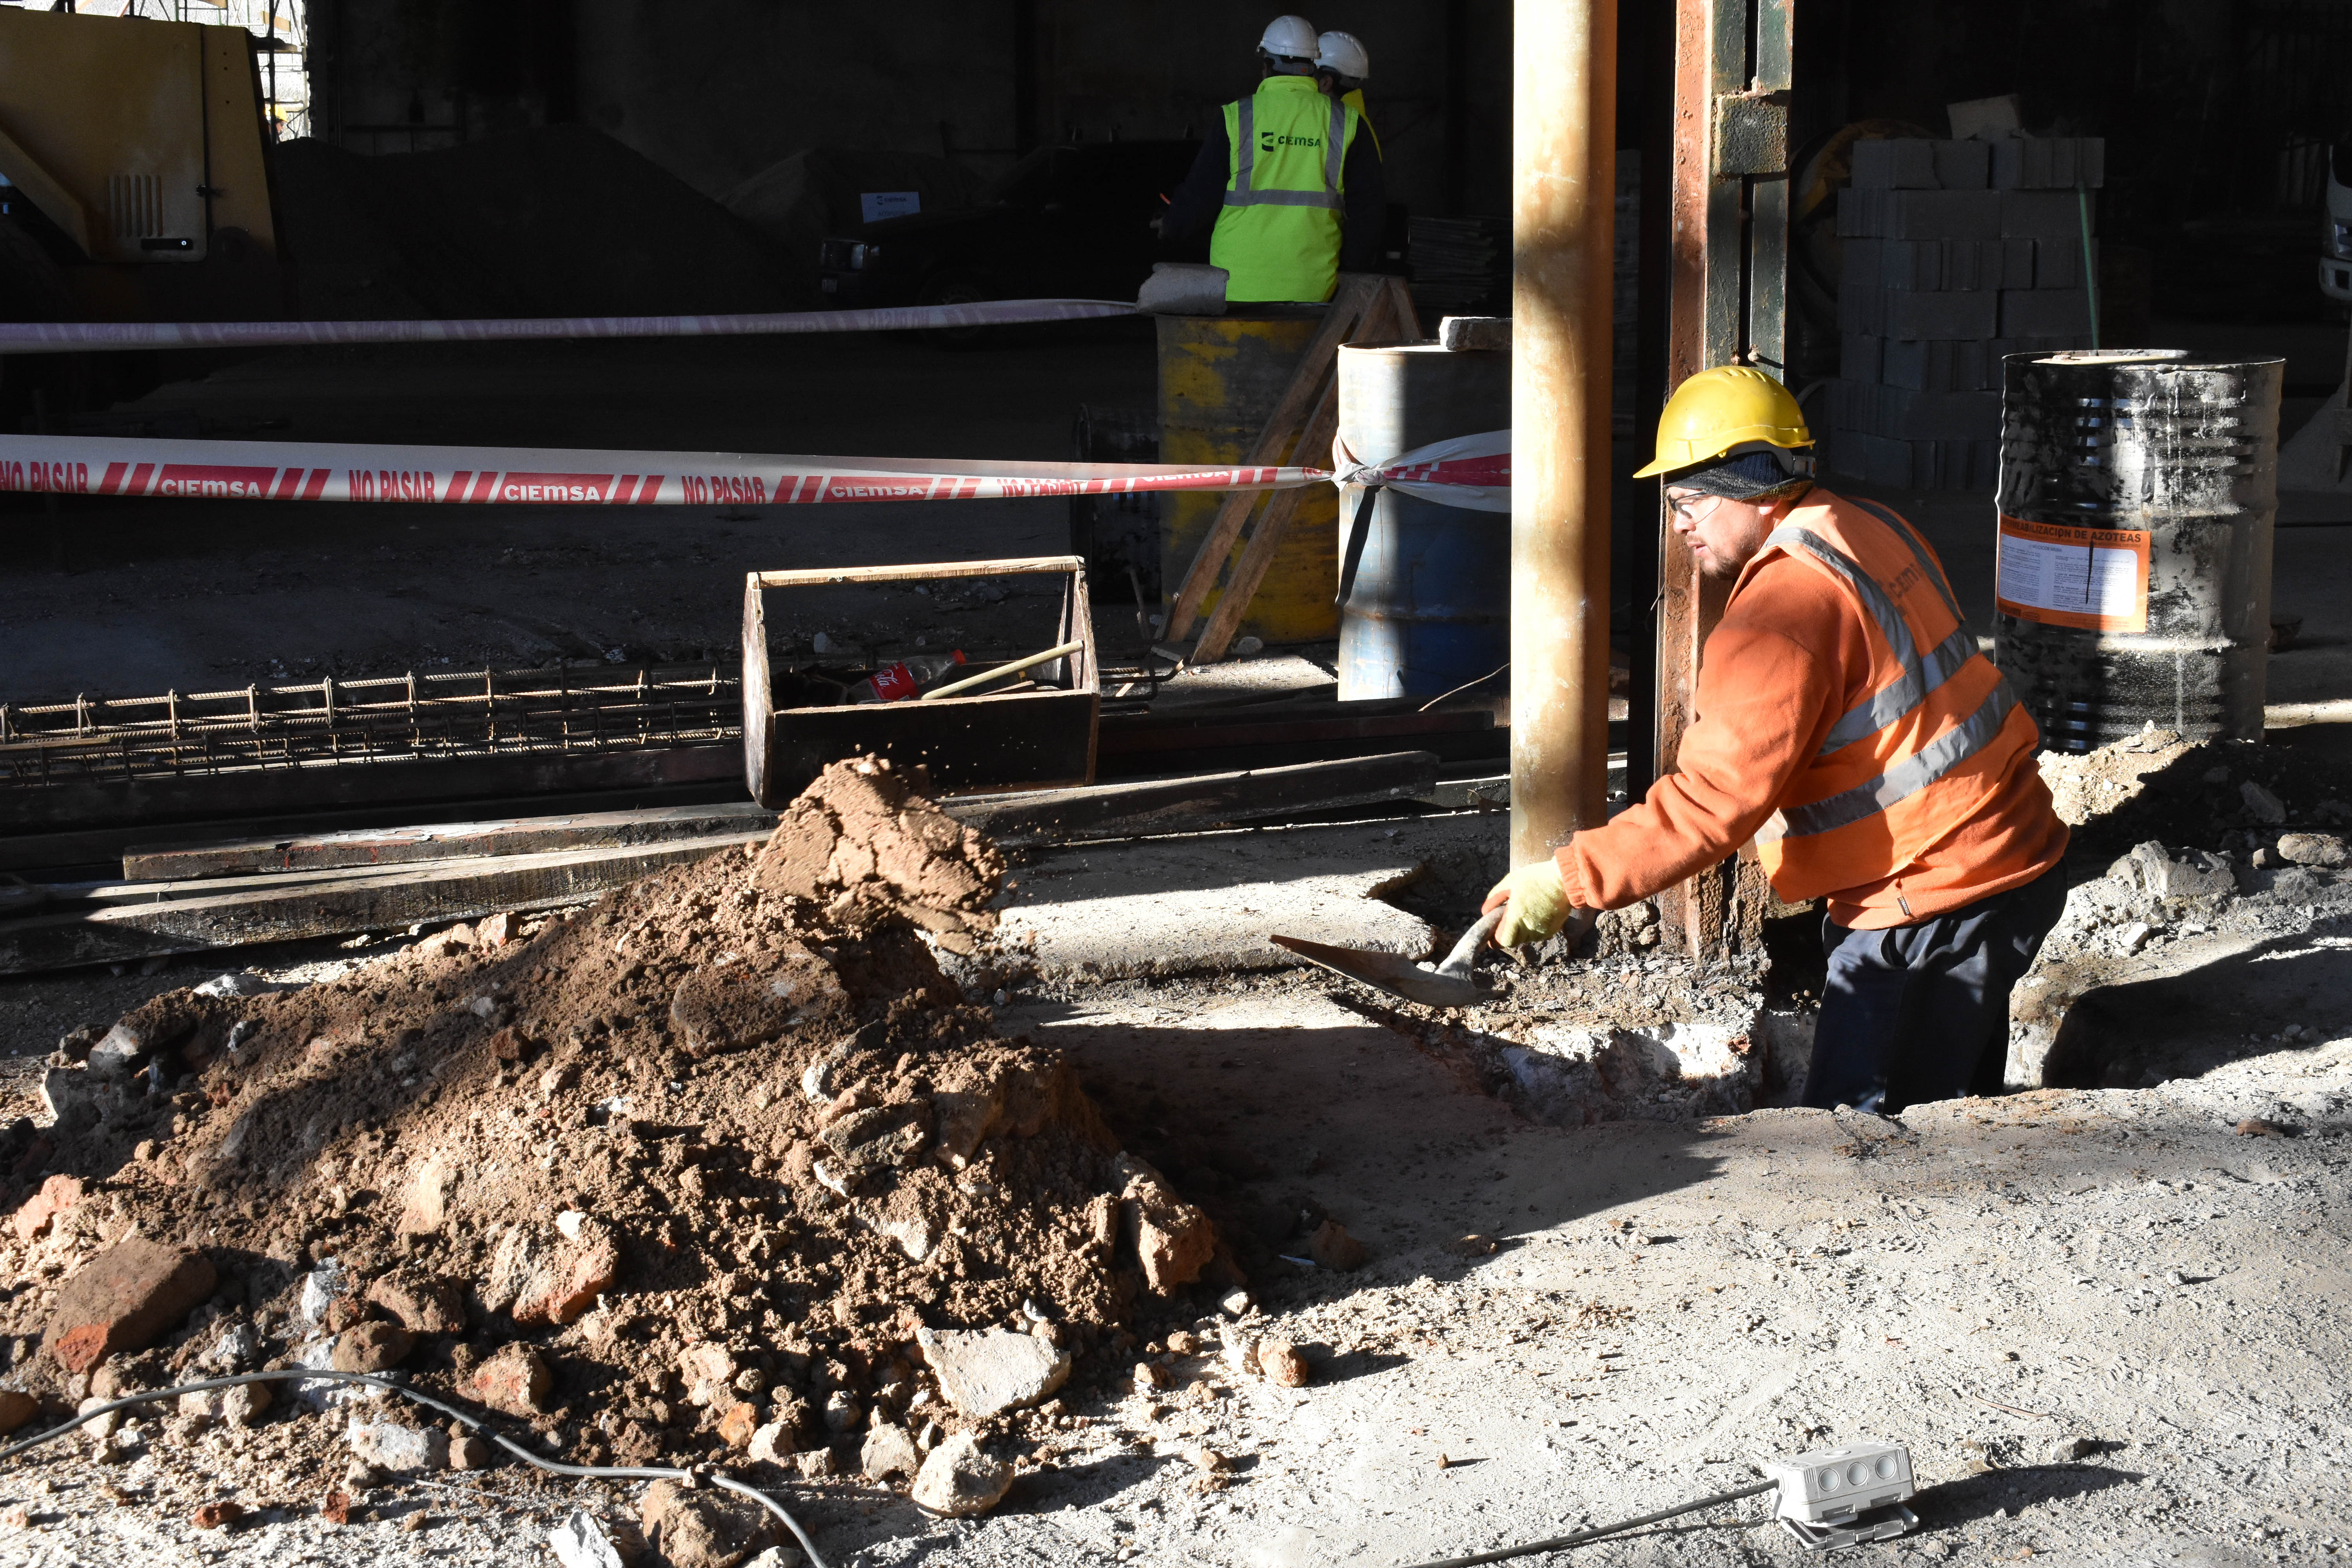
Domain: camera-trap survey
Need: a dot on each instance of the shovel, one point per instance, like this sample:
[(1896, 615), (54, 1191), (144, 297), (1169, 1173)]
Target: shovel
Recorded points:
[(1450, 983)]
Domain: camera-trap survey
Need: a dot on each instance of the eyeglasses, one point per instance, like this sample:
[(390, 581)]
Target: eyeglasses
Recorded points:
[(1684, 506)]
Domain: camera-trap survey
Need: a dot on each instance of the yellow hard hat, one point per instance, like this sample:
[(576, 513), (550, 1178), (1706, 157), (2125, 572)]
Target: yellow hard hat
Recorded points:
[(1721, 408)]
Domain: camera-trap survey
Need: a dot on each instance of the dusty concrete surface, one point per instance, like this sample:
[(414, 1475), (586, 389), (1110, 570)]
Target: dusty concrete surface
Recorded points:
[(1207, 901)]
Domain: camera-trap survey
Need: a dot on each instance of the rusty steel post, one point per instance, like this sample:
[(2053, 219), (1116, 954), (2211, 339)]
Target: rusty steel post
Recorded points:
[(1563, 183)]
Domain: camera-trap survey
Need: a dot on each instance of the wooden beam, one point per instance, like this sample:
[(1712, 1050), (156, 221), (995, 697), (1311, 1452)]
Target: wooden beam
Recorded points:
[(1205, 800), (371, 846), (82, 846), (109, 930), (1257, 556), (1705, 315), (160, 799)]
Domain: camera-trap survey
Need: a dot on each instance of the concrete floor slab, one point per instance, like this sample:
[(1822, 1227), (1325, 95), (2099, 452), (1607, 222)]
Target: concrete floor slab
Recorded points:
[(1183, 906)]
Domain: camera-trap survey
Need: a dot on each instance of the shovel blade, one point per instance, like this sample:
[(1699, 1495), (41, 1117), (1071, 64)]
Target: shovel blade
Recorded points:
[(1389, 971)]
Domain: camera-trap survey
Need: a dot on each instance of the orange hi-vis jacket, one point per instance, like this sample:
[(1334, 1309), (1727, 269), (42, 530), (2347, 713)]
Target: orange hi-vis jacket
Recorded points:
[(1848, 724)]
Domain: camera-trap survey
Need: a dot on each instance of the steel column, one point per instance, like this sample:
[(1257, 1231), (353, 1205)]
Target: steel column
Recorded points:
[(1563, 184)]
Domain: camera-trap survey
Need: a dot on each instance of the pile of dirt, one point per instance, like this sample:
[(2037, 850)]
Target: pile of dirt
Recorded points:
[(559, 221), (704, 1170)]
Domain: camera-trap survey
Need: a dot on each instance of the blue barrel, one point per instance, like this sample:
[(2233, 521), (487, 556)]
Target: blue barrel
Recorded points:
[(1430, 608)]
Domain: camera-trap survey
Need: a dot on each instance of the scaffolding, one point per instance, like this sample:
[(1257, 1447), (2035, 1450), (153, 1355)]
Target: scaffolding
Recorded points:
[(281, 35)]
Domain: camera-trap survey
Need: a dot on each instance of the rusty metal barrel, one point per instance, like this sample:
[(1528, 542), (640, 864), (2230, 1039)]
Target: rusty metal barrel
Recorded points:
[(1220, 378), (1429, 608), (2133, 584)]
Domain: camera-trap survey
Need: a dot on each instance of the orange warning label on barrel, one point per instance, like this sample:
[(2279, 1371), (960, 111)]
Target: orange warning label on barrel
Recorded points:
[(2093, 578)]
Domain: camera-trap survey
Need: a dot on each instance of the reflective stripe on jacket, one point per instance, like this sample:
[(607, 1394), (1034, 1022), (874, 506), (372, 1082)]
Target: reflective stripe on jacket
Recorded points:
[(1279, 233), (1920, 753)]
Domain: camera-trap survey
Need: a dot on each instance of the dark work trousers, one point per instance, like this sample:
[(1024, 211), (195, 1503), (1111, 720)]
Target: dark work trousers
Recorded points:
[(1921, 1012)]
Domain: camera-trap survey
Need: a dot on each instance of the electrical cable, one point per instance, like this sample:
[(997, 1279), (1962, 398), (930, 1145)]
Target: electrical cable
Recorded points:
[(1559, 1541), (471, 1423)]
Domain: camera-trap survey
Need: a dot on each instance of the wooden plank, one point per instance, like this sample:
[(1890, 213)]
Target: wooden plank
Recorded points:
[(1257, 557), (263, 791), (817, 576), (364, 846), (1201, 801), (1356, 294), (336, 904), (1291, 732), (89, 847)]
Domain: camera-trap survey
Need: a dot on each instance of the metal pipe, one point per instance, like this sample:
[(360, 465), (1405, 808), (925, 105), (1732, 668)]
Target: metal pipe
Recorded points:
[(1563, 183)]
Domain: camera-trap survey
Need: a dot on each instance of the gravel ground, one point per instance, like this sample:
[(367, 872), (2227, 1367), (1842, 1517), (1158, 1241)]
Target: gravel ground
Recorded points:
[(2109, 1323)]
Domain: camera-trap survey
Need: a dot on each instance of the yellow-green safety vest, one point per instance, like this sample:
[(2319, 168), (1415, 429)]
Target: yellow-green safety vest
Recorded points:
[(1278, 235)]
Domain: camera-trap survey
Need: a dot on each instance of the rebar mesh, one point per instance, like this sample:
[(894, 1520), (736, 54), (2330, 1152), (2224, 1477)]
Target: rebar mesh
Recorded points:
[(476, 713)]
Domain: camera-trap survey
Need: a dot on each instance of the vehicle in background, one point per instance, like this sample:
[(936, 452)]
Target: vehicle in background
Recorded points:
[(1066, 222), (2336, 234), (134, 172)]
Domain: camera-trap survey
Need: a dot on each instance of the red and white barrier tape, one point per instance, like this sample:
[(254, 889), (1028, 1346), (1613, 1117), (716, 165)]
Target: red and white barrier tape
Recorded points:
[(69, 337), (1470, 471), (287, 470)]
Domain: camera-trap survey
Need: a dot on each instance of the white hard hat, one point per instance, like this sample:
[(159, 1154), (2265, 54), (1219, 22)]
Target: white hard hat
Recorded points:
[(1289, 37), (1342, 54)]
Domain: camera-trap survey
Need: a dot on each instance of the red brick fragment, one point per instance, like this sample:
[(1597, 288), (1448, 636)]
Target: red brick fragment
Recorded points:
[(125, 1298)]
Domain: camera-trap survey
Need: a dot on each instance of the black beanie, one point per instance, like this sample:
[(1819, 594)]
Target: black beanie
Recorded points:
[(1742, 475)]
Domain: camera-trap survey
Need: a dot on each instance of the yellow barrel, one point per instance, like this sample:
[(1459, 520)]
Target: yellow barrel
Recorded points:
[(1220, 377)]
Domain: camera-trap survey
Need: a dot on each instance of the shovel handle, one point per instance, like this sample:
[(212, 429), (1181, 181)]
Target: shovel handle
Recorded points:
[(1465, 951)]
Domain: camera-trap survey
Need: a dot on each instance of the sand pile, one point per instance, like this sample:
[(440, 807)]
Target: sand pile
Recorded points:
[(719, 1167)]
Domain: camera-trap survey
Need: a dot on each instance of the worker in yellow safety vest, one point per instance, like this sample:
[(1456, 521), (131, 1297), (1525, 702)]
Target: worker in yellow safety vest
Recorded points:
[(1342, 65), (1295, 188)]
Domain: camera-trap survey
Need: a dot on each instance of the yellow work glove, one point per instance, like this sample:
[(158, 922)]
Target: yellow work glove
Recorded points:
[(1538, 900)]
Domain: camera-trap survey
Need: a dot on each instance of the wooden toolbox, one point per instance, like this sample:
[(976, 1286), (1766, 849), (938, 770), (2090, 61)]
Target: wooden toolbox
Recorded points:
[(1019, 740)]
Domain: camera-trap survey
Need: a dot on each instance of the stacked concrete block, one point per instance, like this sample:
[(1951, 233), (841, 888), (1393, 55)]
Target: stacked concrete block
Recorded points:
[(1956, 254)]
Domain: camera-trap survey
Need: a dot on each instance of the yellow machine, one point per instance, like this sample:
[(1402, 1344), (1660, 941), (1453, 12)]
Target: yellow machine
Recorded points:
[(140, 149)]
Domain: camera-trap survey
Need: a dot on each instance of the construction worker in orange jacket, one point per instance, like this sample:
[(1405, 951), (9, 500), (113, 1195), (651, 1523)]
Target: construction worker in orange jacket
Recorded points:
[(1849, 725)]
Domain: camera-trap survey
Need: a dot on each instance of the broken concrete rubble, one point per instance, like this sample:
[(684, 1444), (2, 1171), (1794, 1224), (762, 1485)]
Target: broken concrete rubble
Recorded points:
[(995, 1370), (958, 1481)]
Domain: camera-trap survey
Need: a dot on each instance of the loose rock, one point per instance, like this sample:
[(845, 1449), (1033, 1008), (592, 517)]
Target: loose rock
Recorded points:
[(702, 1528), (420, 1303), (989, 1372), (1282, 1363), (960, 1482), (1332, 1247), (402, 1450), (37, 1213), (515, 1380), (372, 1347), (125, 1298), (2312, 850), (889, 1450)]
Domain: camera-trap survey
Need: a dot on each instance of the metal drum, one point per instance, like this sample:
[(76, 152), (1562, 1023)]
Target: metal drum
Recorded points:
[(1430, 608), (1220, 377), (2137, 491)]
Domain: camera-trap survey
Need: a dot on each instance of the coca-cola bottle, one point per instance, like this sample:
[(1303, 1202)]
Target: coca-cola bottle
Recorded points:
[(908, 678)]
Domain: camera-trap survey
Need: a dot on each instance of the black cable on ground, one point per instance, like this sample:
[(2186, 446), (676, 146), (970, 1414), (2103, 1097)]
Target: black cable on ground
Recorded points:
[(471, 1423), (1558, 1541)]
